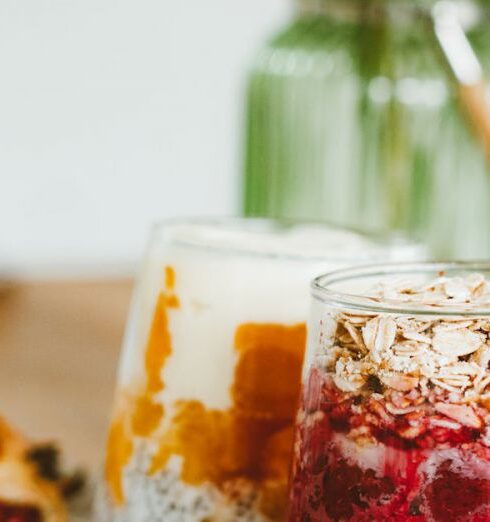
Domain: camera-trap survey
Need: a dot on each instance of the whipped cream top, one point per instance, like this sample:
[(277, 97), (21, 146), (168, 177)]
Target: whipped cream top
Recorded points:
[(301, 241)]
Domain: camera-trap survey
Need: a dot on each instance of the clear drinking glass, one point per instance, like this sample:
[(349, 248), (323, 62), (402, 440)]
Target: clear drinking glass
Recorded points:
[(395, 413), (202, 427)]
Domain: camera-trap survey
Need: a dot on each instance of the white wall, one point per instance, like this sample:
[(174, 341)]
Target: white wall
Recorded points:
[(115, 113)]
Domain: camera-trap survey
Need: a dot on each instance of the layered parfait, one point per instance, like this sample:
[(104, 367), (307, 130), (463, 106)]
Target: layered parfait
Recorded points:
[(395, 418), (211, 370)]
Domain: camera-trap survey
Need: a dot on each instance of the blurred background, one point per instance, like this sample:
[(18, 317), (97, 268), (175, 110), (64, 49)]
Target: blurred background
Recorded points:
[(115, 114)]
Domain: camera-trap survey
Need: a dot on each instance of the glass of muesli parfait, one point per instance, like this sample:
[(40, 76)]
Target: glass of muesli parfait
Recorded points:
[(394, 422), (210, 373)]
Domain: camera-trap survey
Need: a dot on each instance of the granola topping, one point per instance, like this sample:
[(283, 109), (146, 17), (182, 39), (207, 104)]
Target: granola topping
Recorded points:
[(434, 355)]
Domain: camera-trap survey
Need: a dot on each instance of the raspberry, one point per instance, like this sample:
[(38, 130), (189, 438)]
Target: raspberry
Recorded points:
[(346, 486), (328, 485), (452, 496)]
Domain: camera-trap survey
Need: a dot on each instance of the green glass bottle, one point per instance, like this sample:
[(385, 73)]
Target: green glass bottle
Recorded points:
[(351, 118)]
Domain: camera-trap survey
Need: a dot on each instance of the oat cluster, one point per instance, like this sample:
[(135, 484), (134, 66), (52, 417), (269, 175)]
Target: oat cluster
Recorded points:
[(426, 356)]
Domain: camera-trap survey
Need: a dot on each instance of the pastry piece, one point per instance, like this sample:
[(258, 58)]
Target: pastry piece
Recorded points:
[(31, 487)]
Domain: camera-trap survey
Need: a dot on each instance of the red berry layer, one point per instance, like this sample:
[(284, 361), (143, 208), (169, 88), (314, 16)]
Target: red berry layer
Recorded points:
[(422, 470)]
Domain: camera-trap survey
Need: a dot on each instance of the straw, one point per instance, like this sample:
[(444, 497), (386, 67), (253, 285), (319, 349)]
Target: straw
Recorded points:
[(465, 69)]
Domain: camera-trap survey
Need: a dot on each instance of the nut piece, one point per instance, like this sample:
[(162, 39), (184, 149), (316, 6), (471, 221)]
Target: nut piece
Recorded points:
[(460, 413), (456, 342), (379, 335), (348, 376), (399, 382), (349, 384), (482, 356), (355, 335)]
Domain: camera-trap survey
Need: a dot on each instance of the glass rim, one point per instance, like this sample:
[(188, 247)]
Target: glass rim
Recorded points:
[(321, 288), (382, 242)]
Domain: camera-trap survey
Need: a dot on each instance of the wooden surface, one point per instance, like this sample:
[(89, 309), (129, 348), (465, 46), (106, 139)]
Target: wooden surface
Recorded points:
[(59, 346)]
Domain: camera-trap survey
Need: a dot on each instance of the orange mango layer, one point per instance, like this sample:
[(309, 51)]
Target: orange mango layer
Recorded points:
[(252, 439)]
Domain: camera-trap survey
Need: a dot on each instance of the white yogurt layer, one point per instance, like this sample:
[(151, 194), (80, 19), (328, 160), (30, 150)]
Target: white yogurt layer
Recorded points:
[(226, 276)]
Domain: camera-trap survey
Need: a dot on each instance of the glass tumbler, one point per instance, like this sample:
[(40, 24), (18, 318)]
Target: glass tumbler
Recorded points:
[(395, 411), (203, 422)]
